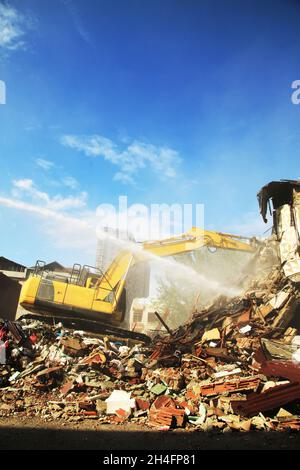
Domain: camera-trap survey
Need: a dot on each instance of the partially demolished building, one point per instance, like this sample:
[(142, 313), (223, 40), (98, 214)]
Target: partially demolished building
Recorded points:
[(285, 197)]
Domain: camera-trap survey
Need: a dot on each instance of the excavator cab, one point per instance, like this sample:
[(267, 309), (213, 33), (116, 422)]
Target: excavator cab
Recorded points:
[(62, 292)]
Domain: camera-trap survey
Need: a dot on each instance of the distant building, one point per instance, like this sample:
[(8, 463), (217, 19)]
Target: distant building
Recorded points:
[(12, 269), (9, 265), (53, 266), (142, 316)]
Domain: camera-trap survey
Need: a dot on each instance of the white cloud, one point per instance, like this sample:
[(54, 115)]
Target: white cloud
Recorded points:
[(66, 231), (12, 28), (123, 178), (77, 21), (45, 164), (251, 224), (136, 156), (80, 228), (26, 187), (70, 182), (91, 145), (70, 202), (66, 221), (33, 127)]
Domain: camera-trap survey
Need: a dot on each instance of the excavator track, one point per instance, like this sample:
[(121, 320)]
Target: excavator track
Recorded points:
[(98, 328)]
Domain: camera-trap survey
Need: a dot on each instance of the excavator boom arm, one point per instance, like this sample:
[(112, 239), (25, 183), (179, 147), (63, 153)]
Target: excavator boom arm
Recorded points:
[(197, 238)]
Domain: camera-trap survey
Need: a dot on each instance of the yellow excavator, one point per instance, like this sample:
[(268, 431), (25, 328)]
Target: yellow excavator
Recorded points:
[(96, 301)]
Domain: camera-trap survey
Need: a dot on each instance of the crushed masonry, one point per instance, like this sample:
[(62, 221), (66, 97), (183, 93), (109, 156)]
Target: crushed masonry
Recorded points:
[(234, 366)]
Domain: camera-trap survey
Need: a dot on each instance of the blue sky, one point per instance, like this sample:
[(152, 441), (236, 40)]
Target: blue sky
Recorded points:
[(163, 101)]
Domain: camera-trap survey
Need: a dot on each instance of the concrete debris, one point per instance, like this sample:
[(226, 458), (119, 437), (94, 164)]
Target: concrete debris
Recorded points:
[(212, 335), (272, 398), (235, 366), (119, 400)]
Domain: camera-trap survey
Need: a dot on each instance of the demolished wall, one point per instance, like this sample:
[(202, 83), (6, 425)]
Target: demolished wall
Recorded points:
[(285, 196)]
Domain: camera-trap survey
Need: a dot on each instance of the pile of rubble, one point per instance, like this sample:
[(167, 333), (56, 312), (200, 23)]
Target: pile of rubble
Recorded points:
[(234, 366)]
